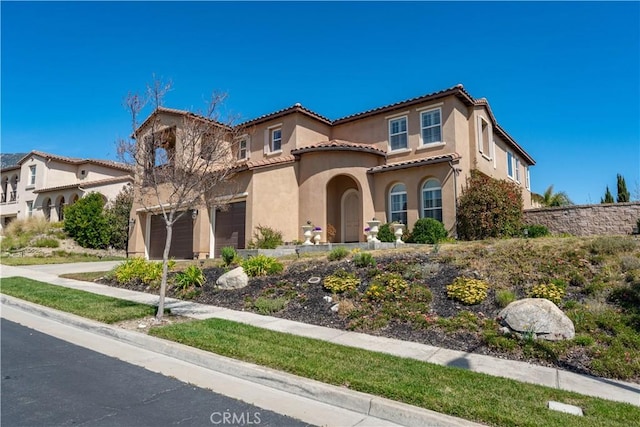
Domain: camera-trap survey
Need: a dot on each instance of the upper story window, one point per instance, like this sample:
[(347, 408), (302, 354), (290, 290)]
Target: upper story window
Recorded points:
[(431, 126), (398, 203), (485, 138), (527, 177), (32, 175), (510, 162), (517, 170), (432, 200), (243, 146), (276, 140), (398, 133)]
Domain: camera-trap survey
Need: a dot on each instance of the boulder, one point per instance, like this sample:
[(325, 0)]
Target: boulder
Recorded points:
[(538, 316), (234, 279)]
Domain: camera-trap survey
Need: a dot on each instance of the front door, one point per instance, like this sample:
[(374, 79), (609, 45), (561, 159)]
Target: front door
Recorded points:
[(351, 216)]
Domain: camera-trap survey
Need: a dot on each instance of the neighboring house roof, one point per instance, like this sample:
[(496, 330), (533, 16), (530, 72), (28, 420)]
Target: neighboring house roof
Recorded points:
[(89, 184), (339, 145), (180, 113), (417, 162), (77, 161)]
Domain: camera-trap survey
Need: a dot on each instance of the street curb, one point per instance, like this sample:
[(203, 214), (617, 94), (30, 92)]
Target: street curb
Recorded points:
[(355, 401)]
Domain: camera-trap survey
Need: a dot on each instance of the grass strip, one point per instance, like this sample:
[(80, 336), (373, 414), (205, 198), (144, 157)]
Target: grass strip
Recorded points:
[(97, 307), (89, 276), (458, 392), (29, 260)]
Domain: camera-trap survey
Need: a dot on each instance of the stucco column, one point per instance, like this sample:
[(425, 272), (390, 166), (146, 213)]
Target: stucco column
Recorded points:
[(201, 233)]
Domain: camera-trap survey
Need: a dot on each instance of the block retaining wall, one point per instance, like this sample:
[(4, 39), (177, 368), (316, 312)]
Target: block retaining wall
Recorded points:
[(588, 220)]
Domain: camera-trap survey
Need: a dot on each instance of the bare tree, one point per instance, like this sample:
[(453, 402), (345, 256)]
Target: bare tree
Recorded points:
[(181, 165)]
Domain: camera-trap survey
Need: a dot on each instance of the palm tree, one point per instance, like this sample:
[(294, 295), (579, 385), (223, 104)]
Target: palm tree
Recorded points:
[(549, 198)]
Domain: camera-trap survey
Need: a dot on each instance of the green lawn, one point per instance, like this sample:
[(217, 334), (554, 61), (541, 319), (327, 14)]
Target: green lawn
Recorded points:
[(89, 276), (452, 391), (96, 307), (55, 259)]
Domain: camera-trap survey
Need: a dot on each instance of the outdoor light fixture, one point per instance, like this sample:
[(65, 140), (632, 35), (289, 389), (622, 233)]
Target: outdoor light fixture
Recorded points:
[(194, 213)]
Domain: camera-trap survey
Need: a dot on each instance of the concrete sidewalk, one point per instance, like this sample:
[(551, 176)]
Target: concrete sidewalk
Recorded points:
[(521, 371)]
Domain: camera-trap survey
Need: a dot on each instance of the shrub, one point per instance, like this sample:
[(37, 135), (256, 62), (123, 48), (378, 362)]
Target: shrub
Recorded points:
[(428, 230), (265, 238), (117, 217), (46, 242), (190, 276), (504, 298), (385, 233), (612, 245), (262, 265), (489, 208), (386, 286), (229, 255), (85, 223), (468, 291), (536, 230), (266, 306), (338, 254), (341, 281), (554, 292), (147, 272), (364, 259), (331, 232)]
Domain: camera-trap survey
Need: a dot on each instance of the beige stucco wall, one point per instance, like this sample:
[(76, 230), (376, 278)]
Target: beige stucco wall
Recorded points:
[(310, 131)]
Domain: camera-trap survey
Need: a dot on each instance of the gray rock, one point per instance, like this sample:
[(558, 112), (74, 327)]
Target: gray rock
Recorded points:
[(335, 308), (234, 279), (539, 316), (327, 298)]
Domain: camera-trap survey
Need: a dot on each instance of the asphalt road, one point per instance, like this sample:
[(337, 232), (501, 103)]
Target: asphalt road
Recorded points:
[(47, 381)]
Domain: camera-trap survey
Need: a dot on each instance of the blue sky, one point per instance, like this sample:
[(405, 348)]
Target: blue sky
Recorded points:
[(562, 78)]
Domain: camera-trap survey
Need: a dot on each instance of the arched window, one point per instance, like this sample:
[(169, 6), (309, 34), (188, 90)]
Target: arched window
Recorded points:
[(398, 203), (432, 200)]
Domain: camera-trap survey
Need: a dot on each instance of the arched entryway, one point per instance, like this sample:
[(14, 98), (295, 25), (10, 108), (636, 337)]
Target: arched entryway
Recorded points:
[(60, 208), (344, 208), (46, 208)]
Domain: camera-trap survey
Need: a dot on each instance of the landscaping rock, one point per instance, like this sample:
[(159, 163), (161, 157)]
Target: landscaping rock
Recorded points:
[(335, 308), (538, 316), (234, 279), (327, 298)]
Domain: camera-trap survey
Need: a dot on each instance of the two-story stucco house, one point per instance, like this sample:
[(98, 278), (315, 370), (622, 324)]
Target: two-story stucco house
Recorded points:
[(399, 162), (42, 184)]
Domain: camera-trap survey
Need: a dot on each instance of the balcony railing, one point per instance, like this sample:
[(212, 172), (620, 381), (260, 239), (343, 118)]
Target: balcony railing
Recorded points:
[(13, 197)]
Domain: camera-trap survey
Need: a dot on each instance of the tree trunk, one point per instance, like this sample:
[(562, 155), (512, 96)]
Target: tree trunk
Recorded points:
[(165, 271)]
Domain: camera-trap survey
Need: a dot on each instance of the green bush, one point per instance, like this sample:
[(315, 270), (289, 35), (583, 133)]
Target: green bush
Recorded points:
[(261, 265), (229, 255), (611, 245), (46, 242), (265, 238), (116, 214), (468, 291), (536, 230), (85, 223), (341, 281), (147, 272), (428, 230), (190, 276), (266, 306), (338, 254), (489, 208), (385, 233), (364, 259)]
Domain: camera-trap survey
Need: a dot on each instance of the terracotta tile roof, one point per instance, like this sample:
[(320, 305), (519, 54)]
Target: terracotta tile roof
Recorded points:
[(76, 160), (295, 108), (178, 112), (417, 162), (254, 164), (457, 90), (339, 145), (88, 184)]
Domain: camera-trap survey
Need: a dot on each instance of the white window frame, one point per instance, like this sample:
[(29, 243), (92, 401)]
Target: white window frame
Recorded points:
[(423, 209), (404, 132), (423, 128), (268, 135), (396, 191), (490, 143), (32, 175), (527, 177), (243, 152), (273, 139), (29, 208), (518, 170), (510, 163)]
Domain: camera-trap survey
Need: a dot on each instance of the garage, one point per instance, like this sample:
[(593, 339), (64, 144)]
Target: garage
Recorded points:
[(229, 227), (181, 238)]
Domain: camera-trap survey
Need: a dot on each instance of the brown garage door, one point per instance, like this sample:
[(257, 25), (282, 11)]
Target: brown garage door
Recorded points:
[(230, 227), (181, 238)]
